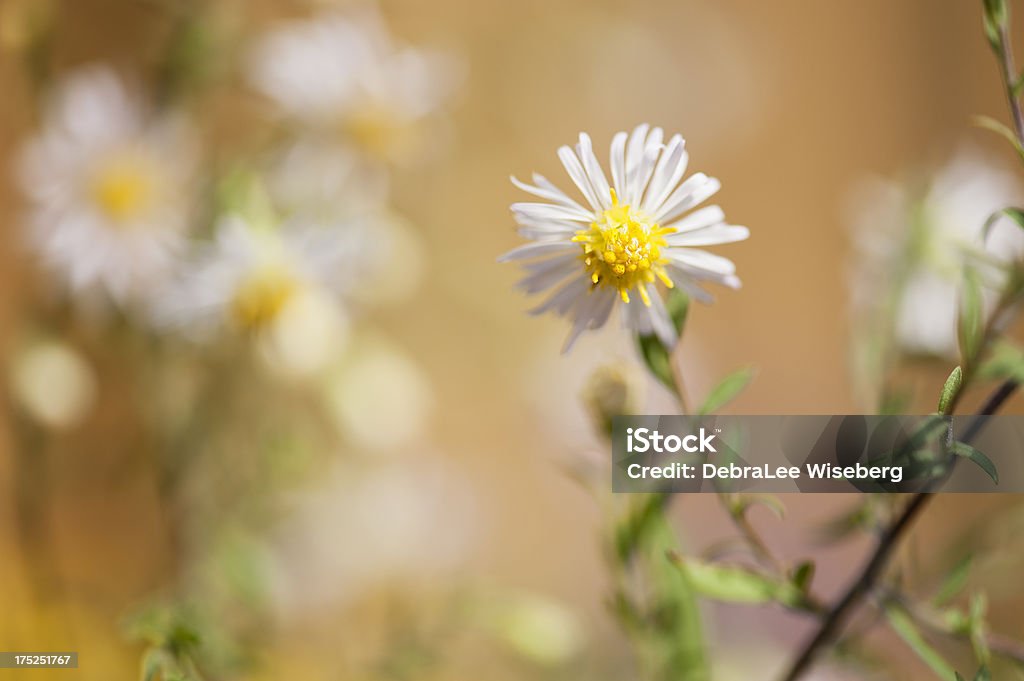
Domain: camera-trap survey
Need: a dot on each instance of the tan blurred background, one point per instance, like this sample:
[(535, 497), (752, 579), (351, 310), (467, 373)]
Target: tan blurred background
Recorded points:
[(788, 103)]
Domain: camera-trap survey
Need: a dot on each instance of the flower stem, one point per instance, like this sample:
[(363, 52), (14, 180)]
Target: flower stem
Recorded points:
[(890, 539)]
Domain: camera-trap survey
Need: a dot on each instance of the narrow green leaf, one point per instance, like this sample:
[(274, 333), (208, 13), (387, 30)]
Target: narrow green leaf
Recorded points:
[(908, 631), (950, 389), (983, 674), (739, 504), (735, 584), (971, 326), (983, 462), (954, 582), (1005, 360), (1015, 214), (727, 390), (638, 524), (658, 359), (656, 356), (995, 126), (976, 627), (803, 575)]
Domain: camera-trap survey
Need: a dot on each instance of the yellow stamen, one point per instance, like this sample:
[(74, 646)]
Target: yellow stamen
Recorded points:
[(124, 186), (262, 295), (630, 250)]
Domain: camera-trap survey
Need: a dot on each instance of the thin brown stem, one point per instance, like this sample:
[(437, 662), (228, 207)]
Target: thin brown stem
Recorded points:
[(868, 577)]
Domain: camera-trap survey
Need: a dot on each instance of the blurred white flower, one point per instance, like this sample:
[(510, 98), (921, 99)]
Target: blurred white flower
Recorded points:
[(911, 250), (53, 383), (342, 74), (109, 187), (378, 529), (311, 181), (287, 287), (630, 235), (311, 178)]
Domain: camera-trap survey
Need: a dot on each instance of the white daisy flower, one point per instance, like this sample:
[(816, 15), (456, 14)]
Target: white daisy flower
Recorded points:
[(109, 188), (343, 75), (628, 236), (286, 288)]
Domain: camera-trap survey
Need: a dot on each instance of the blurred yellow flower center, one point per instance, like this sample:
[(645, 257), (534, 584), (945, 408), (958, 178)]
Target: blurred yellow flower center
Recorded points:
[(622, 249), (123, 187), (379, 130), (262, 295)]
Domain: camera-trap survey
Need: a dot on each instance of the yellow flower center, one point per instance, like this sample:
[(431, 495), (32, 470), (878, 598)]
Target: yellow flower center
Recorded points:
[(262, 295), (124, 186), (622, 249), (380, 130)]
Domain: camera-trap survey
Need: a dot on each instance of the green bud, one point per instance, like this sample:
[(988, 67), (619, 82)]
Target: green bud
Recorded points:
[(611, 391), (950, 390)]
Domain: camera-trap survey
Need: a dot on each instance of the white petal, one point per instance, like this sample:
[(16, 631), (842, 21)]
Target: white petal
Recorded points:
[(584, 315), (634, 156), (578, 175), (555, 271), (698, 219), (537, 249), (642, 173), (701, 260), (563, 298), (585, 149), (617, 160), (661, 322), (550, 211), (669, 171), (550, 193), (697, 188), (709, 236)]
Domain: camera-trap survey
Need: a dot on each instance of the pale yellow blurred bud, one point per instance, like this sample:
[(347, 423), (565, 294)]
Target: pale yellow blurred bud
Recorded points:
[(309, 333), (538, 628), (380, 398), (612, 390), (53, 383)]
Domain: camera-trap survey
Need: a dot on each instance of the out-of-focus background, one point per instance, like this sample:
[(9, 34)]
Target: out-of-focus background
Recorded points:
[(429, 521)]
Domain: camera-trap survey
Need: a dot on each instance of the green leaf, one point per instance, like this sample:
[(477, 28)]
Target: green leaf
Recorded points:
[(994, 21), (976, 628), (656, 356), (983, 462), (954, 582), (658, 359), (995, 126), (1004, 361), (971, 326), (983, 674), (678, 305), (950, 389), (739, 504), (1015, 214), (735, 584), (901, 623), (638, 524), (803, 575), (727, 390)]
